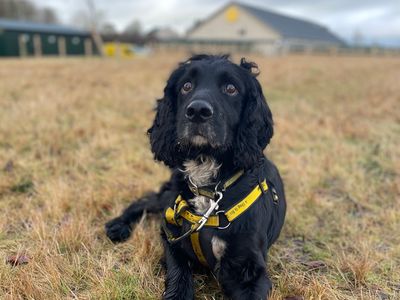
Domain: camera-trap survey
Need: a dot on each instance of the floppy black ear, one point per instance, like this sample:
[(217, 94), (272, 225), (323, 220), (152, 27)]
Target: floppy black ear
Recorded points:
[(256, 128), (163, 137)]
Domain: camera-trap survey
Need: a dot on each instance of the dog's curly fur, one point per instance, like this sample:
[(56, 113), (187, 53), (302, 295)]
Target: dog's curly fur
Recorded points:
[(233, 138)]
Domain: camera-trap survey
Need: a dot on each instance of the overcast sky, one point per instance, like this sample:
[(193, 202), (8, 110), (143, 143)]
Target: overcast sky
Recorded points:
[(377, 20)]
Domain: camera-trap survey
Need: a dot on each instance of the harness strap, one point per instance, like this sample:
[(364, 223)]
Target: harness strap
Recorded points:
[(180, 213), (238, 209), (195, 240), (232, 180), (170, 217), (210, 192), (171, 237)]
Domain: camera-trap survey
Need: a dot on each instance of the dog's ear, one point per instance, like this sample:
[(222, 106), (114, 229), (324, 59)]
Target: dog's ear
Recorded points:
[(256, 129), (162, 134)]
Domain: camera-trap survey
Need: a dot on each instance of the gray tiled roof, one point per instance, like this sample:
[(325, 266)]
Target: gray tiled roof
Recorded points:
[(27, 26), (292, 28)]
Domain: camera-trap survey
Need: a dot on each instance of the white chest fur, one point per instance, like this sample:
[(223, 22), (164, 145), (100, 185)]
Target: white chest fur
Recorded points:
[(203, 171)]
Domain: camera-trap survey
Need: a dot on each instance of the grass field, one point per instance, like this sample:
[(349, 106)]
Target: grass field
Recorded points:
[(74, 153)]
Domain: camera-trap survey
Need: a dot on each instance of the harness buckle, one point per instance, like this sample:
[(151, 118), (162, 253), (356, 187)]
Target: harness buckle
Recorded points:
[(275, 196), (222, 227), (214, 205), (216, 188), (219, 196)]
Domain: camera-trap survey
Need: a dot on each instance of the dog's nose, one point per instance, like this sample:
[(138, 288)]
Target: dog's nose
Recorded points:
[(199, 111)]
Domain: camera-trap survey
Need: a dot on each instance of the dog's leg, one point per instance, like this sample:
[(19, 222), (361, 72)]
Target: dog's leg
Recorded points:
[(243, 274), (120, 228), (179, 278)]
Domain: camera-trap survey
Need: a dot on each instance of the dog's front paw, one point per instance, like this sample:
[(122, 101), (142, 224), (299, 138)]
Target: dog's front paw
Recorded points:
[(118, 230), (174, 294)]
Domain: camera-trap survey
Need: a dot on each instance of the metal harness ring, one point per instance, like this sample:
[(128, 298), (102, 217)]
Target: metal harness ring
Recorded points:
[(224, 227)]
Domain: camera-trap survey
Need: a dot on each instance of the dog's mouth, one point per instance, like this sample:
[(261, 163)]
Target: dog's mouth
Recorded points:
[(199, 140), (199, 135)]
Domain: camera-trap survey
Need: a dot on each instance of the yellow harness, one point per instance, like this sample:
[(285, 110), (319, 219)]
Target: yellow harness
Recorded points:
[(181, 212)]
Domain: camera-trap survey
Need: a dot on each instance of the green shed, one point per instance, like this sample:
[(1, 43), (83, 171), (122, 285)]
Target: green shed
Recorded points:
[(22, 38)]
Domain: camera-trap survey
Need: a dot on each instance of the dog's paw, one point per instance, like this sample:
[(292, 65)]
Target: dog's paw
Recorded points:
[(179, 291), (117, 230), (173, 295)]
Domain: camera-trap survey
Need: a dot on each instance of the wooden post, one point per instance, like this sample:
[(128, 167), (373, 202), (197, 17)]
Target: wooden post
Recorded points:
[(118, 51), (88, 47), (98, 41), (37, 45), (23, 51), (62, 49)]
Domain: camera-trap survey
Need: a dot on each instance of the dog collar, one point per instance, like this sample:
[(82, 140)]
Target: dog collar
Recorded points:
[(211, 192)]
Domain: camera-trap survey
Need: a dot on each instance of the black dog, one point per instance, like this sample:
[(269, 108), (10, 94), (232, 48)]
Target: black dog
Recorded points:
[(224, 205)]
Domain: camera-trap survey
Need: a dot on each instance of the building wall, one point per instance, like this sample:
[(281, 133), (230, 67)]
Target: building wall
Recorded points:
[(13, 43), (49, 44), (75, 45), (2, 43), (233, 24)]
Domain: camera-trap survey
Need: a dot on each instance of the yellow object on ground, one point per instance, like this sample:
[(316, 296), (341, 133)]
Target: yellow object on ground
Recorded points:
[(118, 50)]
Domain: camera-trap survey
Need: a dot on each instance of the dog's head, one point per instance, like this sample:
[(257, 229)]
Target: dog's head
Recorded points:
[(212, 106)]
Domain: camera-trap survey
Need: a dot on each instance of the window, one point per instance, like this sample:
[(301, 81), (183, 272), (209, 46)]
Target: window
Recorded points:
[(242, 32), (25, 38), (51, 39), (76, 40)]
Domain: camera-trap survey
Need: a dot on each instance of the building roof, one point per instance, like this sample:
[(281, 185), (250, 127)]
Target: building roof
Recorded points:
[(27, 26), (290, 27), (287, 27)]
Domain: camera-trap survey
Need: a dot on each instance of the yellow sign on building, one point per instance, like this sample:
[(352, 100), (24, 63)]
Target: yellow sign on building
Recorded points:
[(232, 14)]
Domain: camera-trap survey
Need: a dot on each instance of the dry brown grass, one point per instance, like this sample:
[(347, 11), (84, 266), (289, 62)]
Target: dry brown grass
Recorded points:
[(73, 153)]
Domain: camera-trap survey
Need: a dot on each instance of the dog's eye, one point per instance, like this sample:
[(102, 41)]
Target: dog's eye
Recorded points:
[(186, 88), (231, 90)]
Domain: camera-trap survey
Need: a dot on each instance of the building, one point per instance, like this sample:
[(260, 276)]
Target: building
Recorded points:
[(162, 34), (249, 28), (22, 38)]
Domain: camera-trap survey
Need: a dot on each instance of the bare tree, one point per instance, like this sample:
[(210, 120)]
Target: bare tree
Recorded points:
[(26, 10), (133, 28), (17, 9), (133, 33), (95, 18), (48, 16), (89, 18), (108, 29)]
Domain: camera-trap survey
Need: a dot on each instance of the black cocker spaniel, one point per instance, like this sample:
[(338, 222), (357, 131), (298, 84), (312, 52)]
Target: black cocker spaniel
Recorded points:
[(224, 205)]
